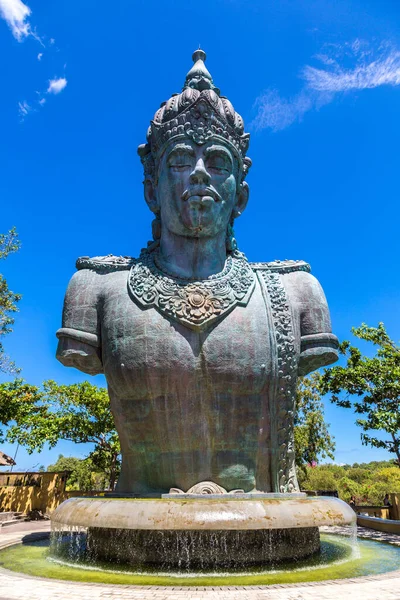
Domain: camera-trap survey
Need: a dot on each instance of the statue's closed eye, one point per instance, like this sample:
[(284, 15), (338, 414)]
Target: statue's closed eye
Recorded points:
[(180, 166), (219, 164), (180, 160)]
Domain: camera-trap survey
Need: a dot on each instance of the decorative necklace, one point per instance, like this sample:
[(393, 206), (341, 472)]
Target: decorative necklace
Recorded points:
[(195, 304)]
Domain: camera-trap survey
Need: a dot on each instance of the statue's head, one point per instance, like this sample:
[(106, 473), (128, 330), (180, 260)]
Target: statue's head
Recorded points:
[(195, 160)]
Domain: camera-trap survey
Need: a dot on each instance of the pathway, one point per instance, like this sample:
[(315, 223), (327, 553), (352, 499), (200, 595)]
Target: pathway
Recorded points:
[(21, 587)]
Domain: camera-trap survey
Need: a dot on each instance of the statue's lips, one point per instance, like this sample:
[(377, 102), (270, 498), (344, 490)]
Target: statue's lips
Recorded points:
[(201, 195)]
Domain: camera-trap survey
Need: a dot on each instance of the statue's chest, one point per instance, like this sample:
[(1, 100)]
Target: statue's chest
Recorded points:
[(146, 355)]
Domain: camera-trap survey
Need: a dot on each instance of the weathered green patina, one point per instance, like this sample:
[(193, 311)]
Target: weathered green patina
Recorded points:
[(201, 349)]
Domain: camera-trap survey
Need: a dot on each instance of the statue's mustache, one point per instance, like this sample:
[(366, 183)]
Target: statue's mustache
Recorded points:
[(201, 191)]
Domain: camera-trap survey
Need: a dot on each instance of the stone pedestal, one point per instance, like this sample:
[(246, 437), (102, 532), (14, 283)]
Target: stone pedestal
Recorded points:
[(199, 532)]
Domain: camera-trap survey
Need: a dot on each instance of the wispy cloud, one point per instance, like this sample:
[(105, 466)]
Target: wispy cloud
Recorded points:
[(24, 109), (276, 113), (16, 14), (56, 85), (345, 68), (385, 70)]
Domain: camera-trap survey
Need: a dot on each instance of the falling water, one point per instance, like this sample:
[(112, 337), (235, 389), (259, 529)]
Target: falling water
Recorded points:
[(350, 533), (183, 550)]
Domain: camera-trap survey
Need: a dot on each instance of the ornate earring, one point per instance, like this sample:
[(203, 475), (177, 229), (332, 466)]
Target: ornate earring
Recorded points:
[(156, 227), (230, 241), (156, 232)]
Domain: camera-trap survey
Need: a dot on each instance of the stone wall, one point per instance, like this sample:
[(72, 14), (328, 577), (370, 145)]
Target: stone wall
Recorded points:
[(23, 492), (385, 525), (381, 512)]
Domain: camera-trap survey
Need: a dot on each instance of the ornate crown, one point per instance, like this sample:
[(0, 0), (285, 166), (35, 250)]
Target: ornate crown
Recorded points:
[(198, 112)]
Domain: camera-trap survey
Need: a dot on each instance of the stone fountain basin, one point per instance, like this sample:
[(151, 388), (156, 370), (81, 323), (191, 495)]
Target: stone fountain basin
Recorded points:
[(227, 512)]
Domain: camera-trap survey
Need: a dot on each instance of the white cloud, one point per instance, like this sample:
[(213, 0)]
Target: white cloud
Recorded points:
[(347, 67), (24, 109), (277, 113), (16, 14), (56, 85), (274, 112), (385, 70)]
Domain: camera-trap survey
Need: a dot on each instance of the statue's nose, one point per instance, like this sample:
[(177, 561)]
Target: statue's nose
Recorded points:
[(200, 174)]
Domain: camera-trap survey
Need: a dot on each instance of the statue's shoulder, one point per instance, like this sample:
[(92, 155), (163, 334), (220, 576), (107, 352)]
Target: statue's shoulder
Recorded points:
[(282, 266), (105, 264)]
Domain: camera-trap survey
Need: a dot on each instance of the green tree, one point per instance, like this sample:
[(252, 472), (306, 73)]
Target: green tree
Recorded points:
[(9, 243), (311, 433), (371, 387), (368, 482), (319, 478), (347, 488), (359, 475), (79, 413), (386, 480), (19, 401), (83, 474)]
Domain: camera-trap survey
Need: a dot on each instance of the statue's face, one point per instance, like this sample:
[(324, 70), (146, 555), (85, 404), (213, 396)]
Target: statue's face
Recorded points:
[(197, 188)]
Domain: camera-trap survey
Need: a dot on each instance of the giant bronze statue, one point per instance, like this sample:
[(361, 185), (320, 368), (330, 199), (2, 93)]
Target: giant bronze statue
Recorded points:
[(201, 349)]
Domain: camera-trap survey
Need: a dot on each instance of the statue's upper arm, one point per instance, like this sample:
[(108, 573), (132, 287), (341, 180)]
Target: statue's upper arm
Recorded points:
[(318, 346), (79, 338)]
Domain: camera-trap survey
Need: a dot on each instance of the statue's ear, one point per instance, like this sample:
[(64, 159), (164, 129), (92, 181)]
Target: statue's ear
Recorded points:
[(150, 195), (241, 199)]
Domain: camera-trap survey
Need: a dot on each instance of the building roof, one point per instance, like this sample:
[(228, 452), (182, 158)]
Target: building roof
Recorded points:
[(6, 461)]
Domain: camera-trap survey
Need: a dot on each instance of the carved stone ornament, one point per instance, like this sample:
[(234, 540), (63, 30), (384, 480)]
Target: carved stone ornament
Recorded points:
[(200, 113), (282, 405), (200, 122), (105, 264), (205, 487), (195, 304), (282, 266)]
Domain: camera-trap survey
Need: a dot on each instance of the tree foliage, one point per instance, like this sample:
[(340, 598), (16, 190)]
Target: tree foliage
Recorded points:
[(9, 243), (311, 434), (19, 401), (79, 413), (367, 482), (371, 387), (84, 476)]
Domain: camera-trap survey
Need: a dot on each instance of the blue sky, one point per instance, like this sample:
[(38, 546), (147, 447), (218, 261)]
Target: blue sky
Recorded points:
[(318, 85)]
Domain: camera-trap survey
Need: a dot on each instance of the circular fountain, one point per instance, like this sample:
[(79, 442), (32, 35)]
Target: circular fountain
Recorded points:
[(340, 557), (196, 531)]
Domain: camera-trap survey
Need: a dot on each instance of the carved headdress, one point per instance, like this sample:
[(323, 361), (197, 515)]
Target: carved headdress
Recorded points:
[(198, 112)]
